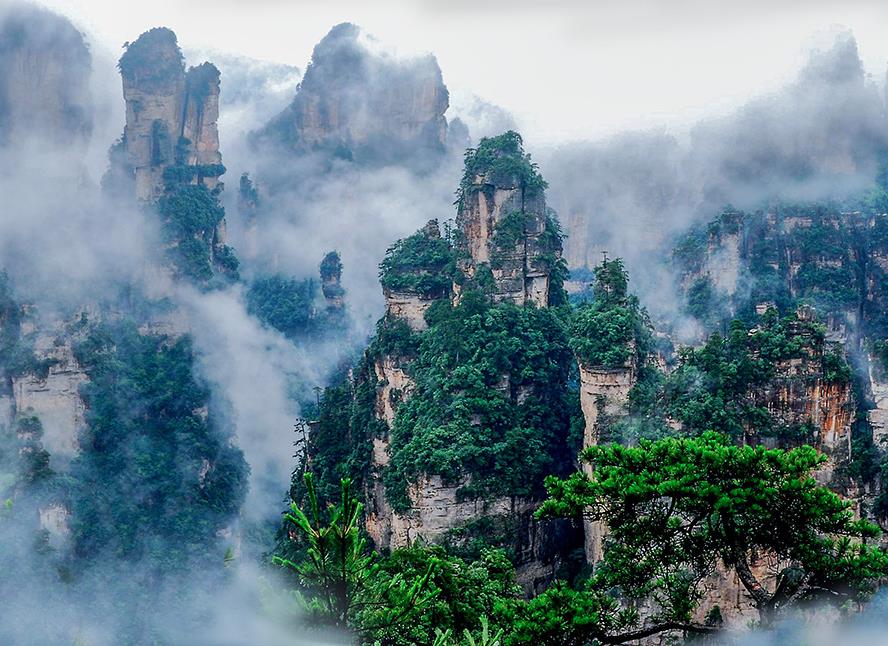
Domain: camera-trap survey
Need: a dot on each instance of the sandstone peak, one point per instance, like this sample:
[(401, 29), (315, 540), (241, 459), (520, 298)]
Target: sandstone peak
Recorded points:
[(171, 115), (331, 281), (45, 67), (357, 103), (506, 233)]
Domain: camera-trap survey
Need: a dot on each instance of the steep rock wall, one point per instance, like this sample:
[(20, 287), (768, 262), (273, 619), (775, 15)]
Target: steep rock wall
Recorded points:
[(360, 104), (504, 229), (411, 308), (171, 115), (603, 391), (45, 70), (54, 399)]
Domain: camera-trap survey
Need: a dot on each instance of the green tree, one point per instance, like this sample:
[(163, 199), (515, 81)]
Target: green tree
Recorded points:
[(675, 508), (613, 329), (338, 574), (467, 595)]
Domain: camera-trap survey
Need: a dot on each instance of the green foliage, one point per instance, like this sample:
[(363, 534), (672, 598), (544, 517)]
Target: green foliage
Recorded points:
[(290, 306), (563, 616), (340, 441), (143, 61), (465, 596), (395, 338), (336, 441), (806, 253), (551, 241), (612, 330), (341, 580), (420, 264), (226, 261), (715, 387), (190, 214), (155, 479), (201, 81), (191, 210), (490, 401), (503, 162), (24, 463), (677, 507), (33, 457), (835, 367), (331, 267), (16, 352), (703, 301)]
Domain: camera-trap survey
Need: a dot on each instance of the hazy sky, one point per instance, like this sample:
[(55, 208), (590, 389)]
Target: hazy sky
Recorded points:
[(566, 68)]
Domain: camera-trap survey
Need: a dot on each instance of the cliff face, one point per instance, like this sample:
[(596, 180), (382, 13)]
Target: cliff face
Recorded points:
[(171, 115), (44, 79), (418, 272), (504, 226), (362, 105), (801, 392), (833, 261), (412, 286), (54, 395), (603, 392), (513, 257)]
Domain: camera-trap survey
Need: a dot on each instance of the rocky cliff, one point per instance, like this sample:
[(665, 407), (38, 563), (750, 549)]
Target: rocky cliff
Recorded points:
[(171, 115), (604, 392), (505, 233), (170, 143), (357, 103), (452, 369), (45, 71), (828, 261)]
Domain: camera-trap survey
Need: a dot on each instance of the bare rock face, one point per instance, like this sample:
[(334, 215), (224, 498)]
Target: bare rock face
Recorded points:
[(54, 398), (362, 105), (504, 224), (878, 416), (800, 393), (603, 391), (394, 387), (171, 115), (410, 308), (44, 79)]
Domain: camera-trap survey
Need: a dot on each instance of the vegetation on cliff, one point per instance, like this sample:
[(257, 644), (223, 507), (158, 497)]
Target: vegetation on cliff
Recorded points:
[(190, 216), (414, 596), (613, 330), (716, 387), (818, 254), (153, 58), (156, 478), (677, 508), (501, 161), (491, 406), (419, 264)]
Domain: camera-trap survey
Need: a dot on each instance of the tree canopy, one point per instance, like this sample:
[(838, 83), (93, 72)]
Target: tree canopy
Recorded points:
[(676, 508)]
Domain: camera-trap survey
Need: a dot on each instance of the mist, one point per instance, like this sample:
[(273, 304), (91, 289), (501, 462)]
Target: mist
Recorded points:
[(70, 248), (633, 194)]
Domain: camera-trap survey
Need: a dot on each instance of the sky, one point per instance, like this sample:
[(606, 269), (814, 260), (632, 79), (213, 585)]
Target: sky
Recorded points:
[(566, 69)]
